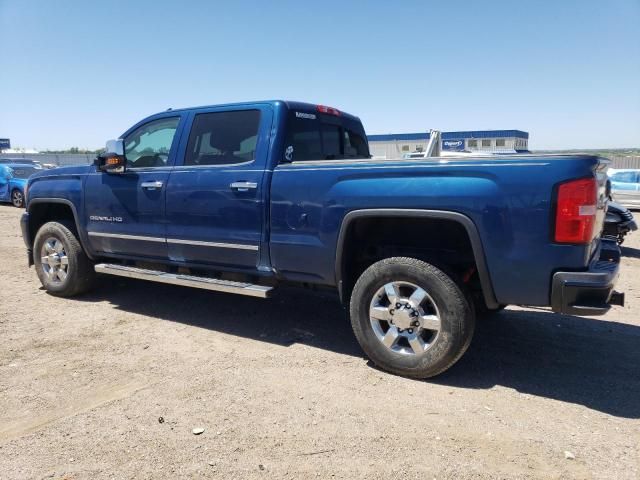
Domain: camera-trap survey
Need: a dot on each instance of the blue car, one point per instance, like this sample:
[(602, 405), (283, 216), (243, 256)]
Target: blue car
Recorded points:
[(13, 181)]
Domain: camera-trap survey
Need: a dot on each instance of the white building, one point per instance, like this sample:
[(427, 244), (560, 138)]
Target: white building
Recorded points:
[(498, 141)]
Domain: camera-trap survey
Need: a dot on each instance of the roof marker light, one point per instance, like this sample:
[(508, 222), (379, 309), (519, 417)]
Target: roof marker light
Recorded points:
[(328, 110)]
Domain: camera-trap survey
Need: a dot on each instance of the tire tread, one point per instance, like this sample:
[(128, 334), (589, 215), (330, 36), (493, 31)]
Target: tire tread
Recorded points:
[(82, 276), (456, 298)]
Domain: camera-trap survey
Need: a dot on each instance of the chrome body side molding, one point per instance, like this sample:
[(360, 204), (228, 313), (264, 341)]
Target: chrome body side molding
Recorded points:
[(121, 236)]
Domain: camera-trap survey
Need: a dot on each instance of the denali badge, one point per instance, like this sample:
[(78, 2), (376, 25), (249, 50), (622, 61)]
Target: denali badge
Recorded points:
[(309, 116), (99, 218)]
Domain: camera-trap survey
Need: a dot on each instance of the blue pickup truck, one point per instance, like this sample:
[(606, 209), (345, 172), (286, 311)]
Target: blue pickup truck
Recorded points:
[(244, 198)]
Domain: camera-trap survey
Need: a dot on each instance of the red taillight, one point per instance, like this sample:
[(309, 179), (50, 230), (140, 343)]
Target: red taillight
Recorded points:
[(576, 211), (328, 110)]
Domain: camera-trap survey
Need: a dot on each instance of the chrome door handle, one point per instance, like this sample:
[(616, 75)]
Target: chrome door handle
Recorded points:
[(243, 186), (151, 185)]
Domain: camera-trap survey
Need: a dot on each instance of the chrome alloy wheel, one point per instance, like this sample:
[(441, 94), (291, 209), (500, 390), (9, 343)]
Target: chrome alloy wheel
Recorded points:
[(55, 263), (17, 198), (404, 318)]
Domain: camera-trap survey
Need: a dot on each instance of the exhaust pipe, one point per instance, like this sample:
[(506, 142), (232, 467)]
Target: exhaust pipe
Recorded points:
[(617, 298)]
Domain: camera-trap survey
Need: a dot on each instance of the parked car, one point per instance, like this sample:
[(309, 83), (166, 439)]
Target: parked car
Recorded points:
[(245, 198), (13, 180), (625, 187), (21, 161)]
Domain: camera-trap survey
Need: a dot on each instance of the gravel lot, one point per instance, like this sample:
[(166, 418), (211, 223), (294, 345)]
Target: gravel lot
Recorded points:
[(111, 385)]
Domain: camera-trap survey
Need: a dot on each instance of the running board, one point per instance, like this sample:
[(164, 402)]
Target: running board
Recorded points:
[(206, 283)]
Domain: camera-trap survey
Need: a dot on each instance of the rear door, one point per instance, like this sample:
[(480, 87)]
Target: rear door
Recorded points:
[(126, 212), (215, 195)]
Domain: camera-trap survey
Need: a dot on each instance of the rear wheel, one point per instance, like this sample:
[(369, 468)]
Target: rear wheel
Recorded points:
[(17, 198), (410, 317), (62, 266)]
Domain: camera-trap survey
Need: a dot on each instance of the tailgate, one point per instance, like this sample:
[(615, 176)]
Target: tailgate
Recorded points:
[(600, 172)]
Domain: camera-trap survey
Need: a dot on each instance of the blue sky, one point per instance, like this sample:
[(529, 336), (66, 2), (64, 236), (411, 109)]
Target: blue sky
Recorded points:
[(76, 73)]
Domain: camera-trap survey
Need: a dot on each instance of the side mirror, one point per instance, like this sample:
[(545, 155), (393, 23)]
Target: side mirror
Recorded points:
[(113, 159)]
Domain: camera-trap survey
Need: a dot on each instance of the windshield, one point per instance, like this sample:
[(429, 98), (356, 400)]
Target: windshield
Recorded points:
[(23, 172)]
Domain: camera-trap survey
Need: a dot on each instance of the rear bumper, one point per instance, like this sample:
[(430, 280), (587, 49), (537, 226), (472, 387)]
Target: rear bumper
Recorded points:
[(590, 292), (24, 226)]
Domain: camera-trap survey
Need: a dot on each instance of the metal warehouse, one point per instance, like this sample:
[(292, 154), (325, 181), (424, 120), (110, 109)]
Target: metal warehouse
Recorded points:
[(397, 144)]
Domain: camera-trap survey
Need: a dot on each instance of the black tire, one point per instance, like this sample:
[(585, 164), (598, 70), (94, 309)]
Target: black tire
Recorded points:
[(17, 198), (80, 273), (457, 317)]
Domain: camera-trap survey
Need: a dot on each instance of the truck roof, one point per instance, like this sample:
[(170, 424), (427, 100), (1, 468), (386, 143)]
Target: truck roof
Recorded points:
[(290, 104)]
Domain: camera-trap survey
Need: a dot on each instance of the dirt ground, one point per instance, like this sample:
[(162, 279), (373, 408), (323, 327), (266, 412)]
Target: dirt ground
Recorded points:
[(111, 385)]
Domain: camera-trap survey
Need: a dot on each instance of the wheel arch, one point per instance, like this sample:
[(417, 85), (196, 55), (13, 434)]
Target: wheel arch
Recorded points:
[(43, 210), (459, 218)]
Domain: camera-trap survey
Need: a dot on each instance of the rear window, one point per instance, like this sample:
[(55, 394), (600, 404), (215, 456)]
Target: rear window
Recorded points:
[(318, 136)]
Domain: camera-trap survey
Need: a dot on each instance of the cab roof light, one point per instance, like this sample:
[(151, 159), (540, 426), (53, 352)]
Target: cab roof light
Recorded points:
[(328, 110)]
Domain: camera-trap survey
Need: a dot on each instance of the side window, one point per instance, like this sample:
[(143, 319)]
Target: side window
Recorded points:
[(223, 138), (624, 177), (150, 144)]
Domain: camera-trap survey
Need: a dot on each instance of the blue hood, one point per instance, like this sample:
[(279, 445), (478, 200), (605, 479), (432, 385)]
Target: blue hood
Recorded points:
[(56, 172)]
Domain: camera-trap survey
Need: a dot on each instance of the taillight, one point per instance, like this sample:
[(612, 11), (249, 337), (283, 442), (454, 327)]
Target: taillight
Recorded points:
[(328, 110), (576, 211)]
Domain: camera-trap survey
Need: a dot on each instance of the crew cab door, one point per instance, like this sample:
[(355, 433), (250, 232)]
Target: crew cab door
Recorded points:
[(126, 211), (215, 198)]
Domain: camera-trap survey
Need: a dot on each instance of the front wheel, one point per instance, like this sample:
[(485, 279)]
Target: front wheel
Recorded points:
[(410, 317), (17, 198), (62, 266)]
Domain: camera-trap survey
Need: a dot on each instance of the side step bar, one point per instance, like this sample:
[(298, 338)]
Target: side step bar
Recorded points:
[(185, 280)]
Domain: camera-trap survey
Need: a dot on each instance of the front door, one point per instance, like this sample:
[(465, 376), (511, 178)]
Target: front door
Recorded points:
[(215, 199), (126, 212)]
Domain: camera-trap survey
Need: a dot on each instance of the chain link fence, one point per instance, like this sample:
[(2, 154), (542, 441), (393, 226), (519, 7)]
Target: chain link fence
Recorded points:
[(58, 159)]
